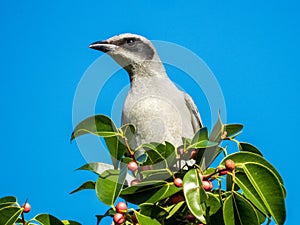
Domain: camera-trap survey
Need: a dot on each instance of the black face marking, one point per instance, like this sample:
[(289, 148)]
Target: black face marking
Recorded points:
[(137, 46)]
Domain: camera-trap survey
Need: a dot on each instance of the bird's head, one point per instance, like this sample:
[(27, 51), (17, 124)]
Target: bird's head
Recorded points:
[(131, 51)]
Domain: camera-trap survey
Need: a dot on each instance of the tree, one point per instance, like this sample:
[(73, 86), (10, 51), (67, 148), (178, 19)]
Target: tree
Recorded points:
[(176, 185)]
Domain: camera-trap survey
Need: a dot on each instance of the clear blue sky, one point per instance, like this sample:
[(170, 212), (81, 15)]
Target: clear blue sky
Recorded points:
[(252, 48)]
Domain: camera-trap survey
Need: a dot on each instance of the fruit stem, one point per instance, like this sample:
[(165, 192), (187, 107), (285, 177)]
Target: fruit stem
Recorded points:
[(129, 149), (23, 219)]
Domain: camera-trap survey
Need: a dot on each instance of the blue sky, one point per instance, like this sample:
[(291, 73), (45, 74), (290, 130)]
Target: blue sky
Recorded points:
[(251, 47)]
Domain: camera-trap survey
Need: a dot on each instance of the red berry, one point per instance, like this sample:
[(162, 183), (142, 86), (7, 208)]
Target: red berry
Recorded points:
[(190, 218), (119, 218), (177, 198), (133, 166), (207, 185), (229, 164), (121, 207), (135, 182), (26, 207), (194, 154), (222, 171), (178, 182)]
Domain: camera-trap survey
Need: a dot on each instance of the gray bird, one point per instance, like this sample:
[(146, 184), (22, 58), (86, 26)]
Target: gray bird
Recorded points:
[(158, 109)]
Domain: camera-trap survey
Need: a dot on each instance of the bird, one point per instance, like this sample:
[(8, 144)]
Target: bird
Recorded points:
[(158, 109)]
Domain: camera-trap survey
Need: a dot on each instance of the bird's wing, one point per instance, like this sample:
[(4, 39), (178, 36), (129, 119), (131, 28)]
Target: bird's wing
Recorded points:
[(195, 115)]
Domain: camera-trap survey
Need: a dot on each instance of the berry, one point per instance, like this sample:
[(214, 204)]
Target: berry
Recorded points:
[(222, 171), (190, 218), (26, 207), (178, 182), (177, 198), (229, 164), (121, 207), (207, 185), (135, 182), (133, 166), (194, 154), (119, 218)]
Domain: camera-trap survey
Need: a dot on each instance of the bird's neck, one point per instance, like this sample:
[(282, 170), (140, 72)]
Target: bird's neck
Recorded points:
[(146, 70)]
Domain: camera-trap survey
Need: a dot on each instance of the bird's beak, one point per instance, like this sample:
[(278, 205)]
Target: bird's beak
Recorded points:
[(103, 46)]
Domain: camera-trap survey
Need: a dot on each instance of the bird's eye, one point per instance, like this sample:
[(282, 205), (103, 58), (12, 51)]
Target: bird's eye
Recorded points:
[(130, 42)]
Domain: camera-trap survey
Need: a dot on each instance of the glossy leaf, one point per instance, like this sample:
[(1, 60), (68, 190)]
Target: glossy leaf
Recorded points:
[(268, 188), (232, 129), (70, 222), (238, 211), (201, 135), (9, 215), (145, 220), (194, 193), (47, 219), (217, 131), (117, 148), (128, 131), (142, 192), (99, 125), (209, 155), (153, 211), (245, 157), (7, 200), (243, 146), (96, 167), (85, 186), (109, 185), (212, 203), (110, 212), (173, 209), (250, 192)]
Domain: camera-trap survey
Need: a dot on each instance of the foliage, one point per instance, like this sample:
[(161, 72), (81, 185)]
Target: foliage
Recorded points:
[(250, 193), (12, 213)]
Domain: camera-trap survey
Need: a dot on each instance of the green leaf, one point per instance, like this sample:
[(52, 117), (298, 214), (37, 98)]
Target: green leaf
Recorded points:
[(84, 186), (268, 188), (243, 146), (47, 219), (194, 193), (153, 211), (96, 167), (7, 200), (173, 209), (233, 129), (70, 222), (238, 211), (99, 125), (145, 220), (128, 131), (250, 192), (117, 147), (111, 212), (200, 135), (246, 157), (209, 155), (142, 192), (213, 203), (109, 185), (217, 131), (9, 215)]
